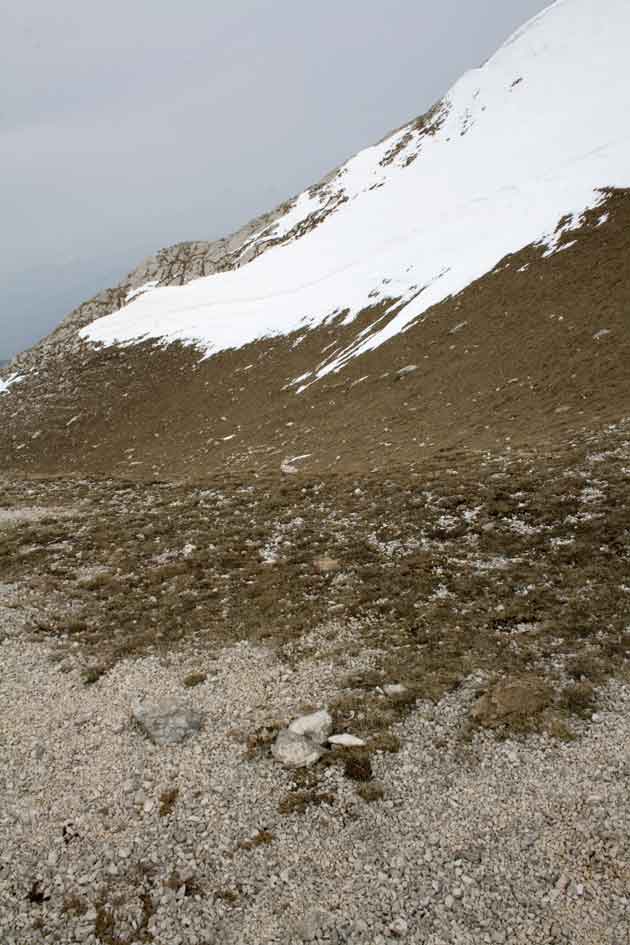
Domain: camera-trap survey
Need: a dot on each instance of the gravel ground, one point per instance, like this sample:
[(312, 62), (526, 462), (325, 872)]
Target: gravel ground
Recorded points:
[(107, 838)]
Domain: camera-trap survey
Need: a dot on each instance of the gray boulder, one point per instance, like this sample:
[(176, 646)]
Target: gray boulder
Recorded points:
[(168, 722)]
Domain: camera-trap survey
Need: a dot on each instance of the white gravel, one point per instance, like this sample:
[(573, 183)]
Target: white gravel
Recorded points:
[(475, 841)]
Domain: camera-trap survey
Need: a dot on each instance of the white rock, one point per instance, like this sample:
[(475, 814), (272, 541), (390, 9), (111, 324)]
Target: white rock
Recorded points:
[(346, 741), (399, 928), (317, 726), (394, 689), (295, 751)]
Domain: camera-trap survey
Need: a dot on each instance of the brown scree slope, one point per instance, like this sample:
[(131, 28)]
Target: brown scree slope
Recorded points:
[(521, 357)]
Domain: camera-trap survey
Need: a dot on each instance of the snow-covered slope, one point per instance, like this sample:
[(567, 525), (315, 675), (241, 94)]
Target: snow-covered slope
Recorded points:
[(8, 382), (524, 142)]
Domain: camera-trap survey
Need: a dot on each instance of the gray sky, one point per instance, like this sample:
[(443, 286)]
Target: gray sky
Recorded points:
[(125, 127)]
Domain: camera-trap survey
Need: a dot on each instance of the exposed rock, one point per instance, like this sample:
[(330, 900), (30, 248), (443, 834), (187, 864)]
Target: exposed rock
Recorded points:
[(174, 265), (287, 469), (317, 726), (295, 751), (399, 928), (394, 689), (409, 369), (512, 700), (168, 722), (346, 741)]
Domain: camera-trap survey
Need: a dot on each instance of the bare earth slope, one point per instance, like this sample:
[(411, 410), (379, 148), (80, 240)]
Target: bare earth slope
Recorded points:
[(535, 350)]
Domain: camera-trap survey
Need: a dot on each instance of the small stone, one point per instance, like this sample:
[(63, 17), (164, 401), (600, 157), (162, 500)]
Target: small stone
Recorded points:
[(346, 741), (317, 726), (295, 751), (83, 932), (595, 799), (399, 928), (449, 902), (394, 689)]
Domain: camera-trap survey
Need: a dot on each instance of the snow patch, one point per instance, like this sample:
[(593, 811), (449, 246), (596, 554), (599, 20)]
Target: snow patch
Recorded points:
[(10, 381), (497, 173), (134, 293)]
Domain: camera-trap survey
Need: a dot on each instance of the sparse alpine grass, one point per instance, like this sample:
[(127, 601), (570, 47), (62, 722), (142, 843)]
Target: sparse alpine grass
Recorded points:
[(511, 564)]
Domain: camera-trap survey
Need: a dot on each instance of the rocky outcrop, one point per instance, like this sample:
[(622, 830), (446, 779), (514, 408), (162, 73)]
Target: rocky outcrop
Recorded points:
[(174, 265), (181, 263)]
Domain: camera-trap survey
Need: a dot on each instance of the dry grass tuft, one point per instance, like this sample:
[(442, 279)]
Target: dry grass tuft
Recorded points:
[(168, 799)]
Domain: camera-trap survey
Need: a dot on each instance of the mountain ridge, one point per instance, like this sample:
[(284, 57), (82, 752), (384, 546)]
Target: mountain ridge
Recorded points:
[(430, 246), (228, 505)]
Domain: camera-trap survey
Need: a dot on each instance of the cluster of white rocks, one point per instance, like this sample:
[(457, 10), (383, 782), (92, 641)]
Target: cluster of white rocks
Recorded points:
[(304, 742)]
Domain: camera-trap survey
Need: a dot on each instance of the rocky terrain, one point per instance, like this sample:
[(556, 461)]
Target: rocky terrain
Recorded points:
[(466, 625), (314, 549), (107, 837)]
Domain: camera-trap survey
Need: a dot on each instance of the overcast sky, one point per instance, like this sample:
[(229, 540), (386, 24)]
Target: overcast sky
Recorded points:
[(128, 126)]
